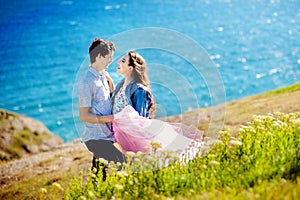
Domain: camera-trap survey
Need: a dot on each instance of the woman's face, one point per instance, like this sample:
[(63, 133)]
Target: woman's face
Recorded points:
[(123, 66)]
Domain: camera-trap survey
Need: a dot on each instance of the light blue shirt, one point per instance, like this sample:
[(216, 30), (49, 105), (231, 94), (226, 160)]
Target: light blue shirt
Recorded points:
[(93, 92)]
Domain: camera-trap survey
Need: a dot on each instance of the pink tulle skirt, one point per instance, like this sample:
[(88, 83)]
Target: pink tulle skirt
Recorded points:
[(135, 133)]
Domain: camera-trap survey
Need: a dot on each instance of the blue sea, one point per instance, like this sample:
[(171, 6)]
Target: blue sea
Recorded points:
[(251, 46)]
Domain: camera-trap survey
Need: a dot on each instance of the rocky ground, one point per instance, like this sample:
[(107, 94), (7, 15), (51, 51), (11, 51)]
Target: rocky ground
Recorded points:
[(21, 136), (59, 159)]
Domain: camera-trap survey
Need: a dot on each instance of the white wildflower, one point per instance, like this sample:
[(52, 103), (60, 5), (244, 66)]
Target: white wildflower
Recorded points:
[(122, 173), (218, 143), (235, 143), (213, 162), (58, 186), (91, 194), (118, 186), (43, 190), (130, 154), (103, 161)]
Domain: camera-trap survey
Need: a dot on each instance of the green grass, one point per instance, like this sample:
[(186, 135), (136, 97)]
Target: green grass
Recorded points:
[(238, 113), (263, 159), (292, 88), (37, 188)]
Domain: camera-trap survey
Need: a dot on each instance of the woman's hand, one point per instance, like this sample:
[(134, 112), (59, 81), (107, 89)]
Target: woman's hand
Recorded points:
[(110, 82)]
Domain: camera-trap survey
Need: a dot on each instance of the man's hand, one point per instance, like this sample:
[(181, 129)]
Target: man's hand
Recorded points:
[(110, 82)]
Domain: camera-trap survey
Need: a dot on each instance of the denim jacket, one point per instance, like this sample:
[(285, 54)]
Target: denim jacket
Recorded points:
[(138, 97)]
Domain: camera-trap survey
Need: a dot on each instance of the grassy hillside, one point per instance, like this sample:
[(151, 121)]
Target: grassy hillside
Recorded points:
[(62, 164), (257, 164), (239, 112)]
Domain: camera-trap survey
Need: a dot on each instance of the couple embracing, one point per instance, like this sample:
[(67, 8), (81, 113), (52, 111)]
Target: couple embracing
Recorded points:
[(125, 113)]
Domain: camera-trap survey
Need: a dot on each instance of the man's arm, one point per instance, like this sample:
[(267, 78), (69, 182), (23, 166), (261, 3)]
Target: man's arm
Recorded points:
[(86, 116)]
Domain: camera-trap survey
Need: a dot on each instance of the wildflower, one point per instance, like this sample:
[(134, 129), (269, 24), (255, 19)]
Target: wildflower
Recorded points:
[(136, 160), (112, 164), (241, 130), (103, 161), (118, 186), (218, 144), (296, 121), (94, 170), (122, 173), (269, 134), (155, 146), (93, 175), (58, 186), (139, 154), (213, 162), (235, 143), (276, 124), (91, 194), (212, 155), (244, 127), (280, 124), (130, 154), (258, 119), (282, 180), (130, 182), (43, 190)]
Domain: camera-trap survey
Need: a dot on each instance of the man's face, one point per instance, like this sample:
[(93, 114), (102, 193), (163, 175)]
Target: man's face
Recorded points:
[(107, 59), (103, 62)]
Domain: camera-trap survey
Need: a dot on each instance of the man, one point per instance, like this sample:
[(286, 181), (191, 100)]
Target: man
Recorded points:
[(95, 108)]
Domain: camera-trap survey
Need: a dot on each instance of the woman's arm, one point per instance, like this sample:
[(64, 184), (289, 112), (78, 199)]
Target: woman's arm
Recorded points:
[(141, 102)]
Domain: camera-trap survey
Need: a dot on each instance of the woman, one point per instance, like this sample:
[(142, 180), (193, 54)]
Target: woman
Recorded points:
[(133, 109), (134, 89)]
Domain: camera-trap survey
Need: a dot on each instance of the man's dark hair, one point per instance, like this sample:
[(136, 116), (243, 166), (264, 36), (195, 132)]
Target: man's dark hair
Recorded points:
[(100, 46)]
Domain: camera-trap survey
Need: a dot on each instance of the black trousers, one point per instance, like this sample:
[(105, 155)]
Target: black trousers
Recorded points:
[(106, 150)]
